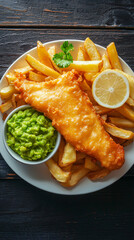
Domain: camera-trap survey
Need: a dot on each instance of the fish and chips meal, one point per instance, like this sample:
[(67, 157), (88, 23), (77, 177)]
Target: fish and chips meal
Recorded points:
[(89, 100)]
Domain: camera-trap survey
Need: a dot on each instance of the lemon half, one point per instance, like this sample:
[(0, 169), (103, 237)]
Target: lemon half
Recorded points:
[(110, 89)]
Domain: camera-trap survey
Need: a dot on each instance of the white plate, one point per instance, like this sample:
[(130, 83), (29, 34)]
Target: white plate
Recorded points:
[(39, 176)]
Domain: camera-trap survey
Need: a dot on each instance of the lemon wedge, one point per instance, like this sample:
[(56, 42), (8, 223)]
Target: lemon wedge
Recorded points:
[(110, 89)]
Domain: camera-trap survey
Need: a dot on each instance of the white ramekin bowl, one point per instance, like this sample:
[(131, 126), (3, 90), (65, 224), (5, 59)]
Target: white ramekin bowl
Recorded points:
[(17, 156)]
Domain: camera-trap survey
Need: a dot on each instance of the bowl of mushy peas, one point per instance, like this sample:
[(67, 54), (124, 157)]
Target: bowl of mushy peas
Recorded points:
[(29, 136)]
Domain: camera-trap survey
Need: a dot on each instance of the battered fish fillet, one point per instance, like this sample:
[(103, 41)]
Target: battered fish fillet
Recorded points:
[(73, 115)]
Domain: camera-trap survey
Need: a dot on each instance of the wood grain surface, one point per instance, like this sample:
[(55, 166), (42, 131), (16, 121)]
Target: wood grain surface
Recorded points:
[(15, 41), (25, 211), (74, 13), (28, 213)]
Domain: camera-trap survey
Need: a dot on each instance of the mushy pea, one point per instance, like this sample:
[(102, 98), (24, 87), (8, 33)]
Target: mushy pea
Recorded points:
[(30, 134)]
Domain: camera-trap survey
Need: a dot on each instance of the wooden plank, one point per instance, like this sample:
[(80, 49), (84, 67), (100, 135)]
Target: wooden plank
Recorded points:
[(12, 45), (5, 171), (28, 213), (62, 12), (14, 42)]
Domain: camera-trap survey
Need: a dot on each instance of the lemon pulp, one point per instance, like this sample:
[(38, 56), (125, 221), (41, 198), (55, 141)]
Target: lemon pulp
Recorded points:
[(110, 89)]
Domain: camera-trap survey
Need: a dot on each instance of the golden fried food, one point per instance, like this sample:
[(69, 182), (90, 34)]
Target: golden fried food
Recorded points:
[(73, 115), (99, 174)]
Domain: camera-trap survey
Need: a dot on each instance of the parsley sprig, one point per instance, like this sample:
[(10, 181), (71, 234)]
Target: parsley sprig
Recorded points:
[(64, 59)]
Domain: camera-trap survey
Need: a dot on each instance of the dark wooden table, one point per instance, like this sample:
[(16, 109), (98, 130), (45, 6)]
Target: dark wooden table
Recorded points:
[(27, 212)]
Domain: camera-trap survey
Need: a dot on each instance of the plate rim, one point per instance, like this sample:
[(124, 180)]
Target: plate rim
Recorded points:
[(69, 193)]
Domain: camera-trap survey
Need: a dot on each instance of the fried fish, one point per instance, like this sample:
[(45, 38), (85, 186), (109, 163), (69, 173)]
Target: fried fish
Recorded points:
[(72, 114)]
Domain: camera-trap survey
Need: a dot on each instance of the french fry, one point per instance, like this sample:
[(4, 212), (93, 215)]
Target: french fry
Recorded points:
[(49, 78), (17, 101), (80, 161), (51, 53), (114, 113), (118, 132), (57, 172), (82, 55), (131, 84), (86, 88), (6, 106), (91, 49), (61, 151), (121, 122), (10, 77), (101, 110), (80, 155), (88, 76), (76, 177), (20, 102), (89, 164), (106, 63), (126, 143), (126, 111), (14, 99), (7, 92), (130, 80), (23, 70), (36, 77), (41, 67), (76, 167), (85, 66), (43, 55), (91, 80), (130, 102), (113, 56), (56, 156), (69, 155), (104, 117), (4, 116), (119, 140), (67, 168), (100, 174)]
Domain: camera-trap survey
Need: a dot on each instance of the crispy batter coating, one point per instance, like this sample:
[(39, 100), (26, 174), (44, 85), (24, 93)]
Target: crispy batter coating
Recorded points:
[(73, 115)]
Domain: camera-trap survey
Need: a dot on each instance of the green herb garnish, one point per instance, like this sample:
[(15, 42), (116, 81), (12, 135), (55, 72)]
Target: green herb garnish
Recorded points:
[(64, 59)]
